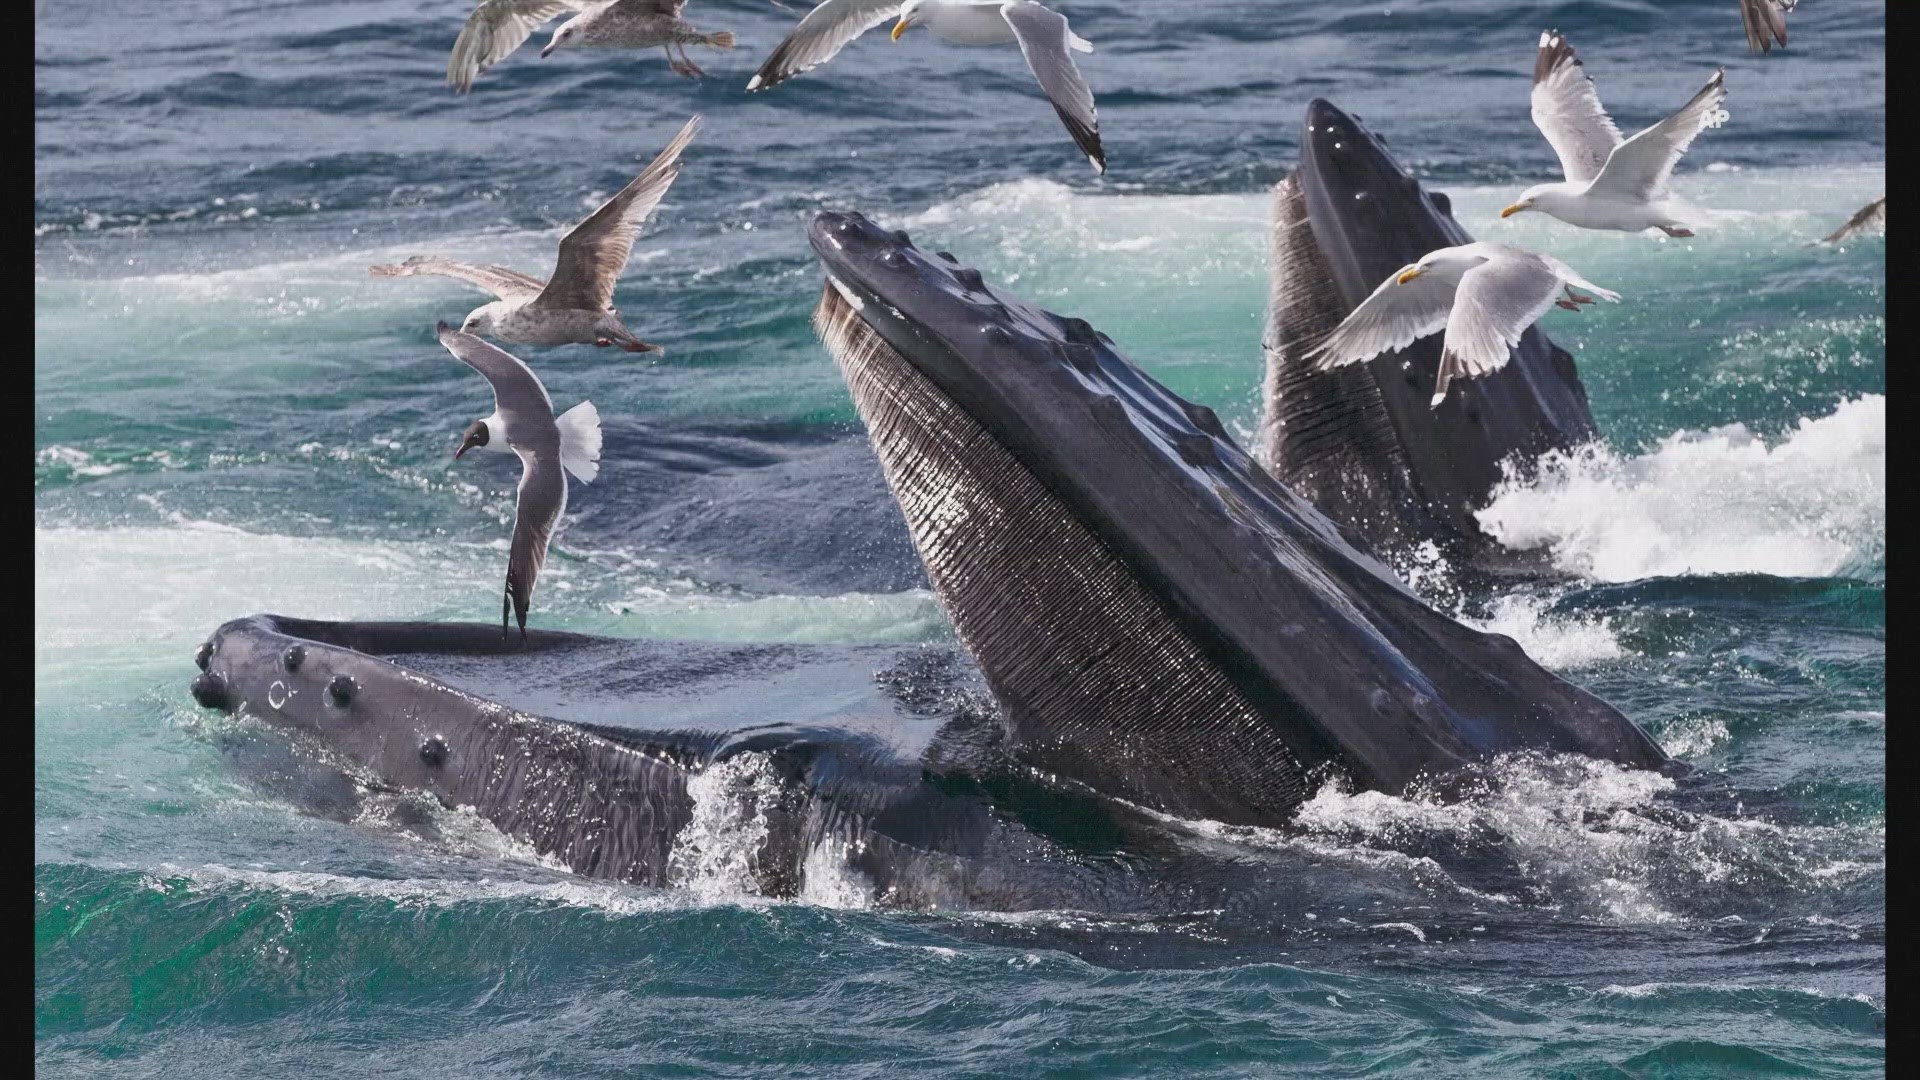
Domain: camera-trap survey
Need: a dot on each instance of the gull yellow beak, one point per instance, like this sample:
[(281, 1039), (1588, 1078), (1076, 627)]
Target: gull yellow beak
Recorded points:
[(900, 28), (1512, 210), (1409, 274)]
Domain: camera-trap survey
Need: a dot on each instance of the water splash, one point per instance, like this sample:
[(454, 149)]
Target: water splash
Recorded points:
[(1715, 502), (716, 856)]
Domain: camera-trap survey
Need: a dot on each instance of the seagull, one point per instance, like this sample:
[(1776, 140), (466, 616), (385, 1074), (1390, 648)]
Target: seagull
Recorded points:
[(1042, 33), (497, 27), (1765, 22), (523, 423), (1869, 218), (1485, 294), (1610, 184), (576, 305)]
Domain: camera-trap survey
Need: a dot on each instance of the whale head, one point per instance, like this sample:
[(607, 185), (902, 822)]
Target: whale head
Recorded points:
[(1361, 441)]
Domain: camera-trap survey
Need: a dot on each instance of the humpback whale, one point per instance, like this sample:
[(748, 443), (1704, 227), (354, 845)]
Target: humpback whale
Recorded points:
[(1150, 626), (1156, 615), (1360, 442)]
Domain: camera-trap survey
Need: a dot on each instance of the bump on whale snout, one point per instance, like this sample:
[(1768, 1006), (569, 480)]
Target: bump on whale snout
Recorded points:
[(210, 690)]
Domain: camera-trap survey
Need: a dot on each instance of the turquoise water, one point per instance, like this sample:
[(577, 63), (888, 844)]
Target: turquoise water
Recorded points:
[(232, 417)]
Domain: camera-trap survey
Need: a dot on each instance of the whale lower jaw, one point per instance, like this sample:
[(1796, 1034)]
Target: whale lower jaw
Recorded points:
[(388, 710), (1085, 662)]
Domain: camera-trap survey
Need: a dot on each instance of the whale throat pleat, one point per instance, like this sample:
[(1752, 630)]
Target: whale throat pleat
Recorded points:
[(1096, 679), (1325, 434)]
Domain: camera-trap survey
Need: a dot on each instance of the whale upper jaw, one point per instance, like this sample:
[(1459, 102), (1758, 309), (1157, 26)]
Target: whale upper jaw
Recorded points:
[(1157, 616), (1363, 442)]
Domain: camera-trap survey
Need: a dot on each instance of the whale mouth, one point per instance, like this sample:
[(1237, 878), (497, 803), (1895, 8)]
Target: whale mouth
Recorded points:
[(1156, 616)]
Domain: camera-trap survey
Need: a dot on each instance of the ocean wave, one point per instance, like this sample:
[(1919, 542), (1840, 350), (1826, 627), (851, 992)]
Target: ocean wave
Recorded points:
[(1715, 502), (179, 579), (1583, 837)]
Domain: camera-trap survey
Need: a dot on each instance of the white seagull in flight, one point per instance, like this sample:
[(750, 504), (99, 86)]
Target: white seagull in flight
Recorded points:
[(548, 447), (1041, 32), (1611, 183), (576, 304), (1485, 295)]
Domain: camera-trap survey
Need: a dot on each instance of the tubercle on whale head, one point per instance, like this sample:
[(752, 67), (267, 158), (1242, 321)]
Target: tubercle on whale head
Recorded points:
[(1356, 189), (937, 312), (999, 356)]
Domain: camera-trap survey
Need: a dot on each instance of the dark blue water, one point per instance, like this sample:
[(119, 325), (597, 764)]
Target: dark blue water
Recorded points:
[(232, 417)]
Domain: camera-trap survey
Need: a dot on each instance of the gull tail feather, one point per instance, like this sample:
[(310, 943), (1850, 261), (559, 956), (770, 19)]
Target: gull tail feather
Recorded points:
[(580, 441), (720, 39), (1450, 366), (1454, 365)]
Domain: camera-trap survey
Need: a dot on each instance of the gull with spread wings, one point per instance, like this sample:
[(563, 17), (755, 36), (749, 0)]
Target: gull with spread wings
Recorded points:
[(1042, 34), (1484, 294), (523, 424), (1612, 183), (497, 27), (576, 304)]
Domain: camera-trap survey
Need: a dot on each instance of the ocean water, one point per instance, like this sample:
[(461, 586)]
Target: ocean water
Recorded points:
[(232, 417)]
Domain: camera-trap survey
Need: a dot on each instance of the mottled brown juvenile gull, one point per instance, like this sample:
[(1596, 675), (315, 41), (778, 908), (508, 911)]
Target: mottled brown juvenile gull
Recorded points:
[(576, 305), (1612, 183), (497, 27), (1485, 295), (1042, 34), (1871, 218), (549, 447), (1766, 22)]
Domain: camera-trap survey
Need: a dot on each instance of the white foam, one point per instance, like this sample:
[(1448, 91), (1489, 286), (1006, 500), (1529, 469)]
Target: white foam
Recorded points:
[(1559, 641), (422, 892), (1588, 836), (75, 460), (828, 878), (1714, 502), (1694, 738), (1591, 835), (714, 855)]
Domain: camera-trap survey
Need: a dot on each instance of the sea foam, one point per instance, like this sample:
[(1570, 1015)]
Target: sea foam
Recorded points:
[(1721, 501)]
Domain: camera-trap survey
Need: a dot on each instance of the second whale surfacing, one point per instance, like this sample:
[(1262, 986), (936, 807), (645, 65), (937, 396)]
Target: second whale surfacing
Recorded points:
[(1362, 442)]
